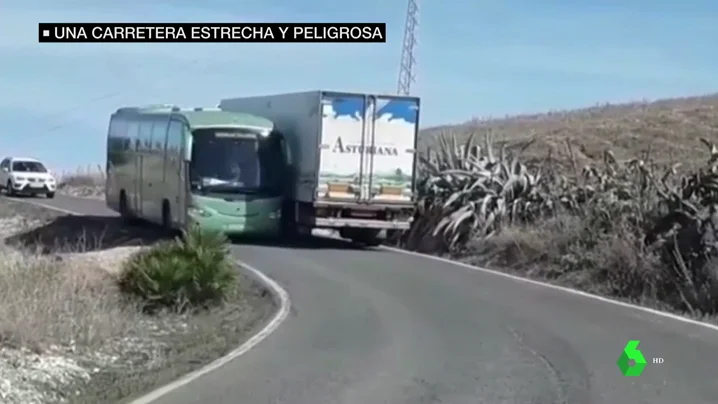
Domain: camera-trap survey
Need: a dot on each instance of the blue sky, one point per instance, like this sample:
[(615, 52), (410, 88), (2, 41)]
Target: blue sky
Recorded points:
[(476, 58)]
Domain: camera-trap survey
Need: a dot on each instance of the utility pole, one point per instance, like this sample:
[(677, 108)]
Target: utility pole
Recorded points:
[(408, 60)]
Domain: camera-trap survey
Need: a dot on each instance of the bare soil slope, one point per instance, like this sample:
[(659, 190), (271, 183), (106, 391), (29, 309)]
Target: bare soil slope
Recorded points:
[(668, 129)]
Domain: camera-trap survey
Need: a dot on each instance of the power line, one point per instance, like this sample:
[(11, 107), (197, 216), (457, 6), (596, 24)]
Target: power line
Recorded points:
[(164, 79)]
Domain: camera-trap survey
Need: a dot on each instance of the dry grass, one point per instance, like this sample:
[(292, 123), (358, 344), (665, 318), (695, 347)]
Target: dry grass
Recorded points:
[(183, 343), (46, 301), (558, 249)]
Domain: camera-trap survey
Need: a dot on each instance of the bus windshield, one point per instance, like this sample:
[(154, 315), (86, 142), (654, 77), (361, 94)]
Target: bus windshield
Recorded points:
[(234, 161)]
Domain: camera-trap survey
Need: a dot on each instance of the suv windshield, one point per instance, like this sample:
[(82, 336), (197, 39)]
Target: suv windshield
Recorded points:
[(28, 167), (234, 161)]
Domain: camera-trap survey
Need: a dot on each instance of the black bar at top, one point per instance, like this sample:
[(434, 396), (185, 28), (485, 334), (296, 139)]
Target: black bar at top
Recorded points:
[(212, 32)]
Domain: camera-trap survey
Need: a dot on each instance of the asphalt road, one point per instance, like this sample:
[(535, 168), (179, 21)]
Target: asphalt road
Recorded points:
[(376, 326)]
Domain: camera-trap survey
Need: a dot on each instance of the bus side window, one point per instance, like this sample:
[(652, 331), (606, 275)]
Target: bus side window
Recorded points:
[(120, 133), (133, 129), (112, 145), (174, 139), (159, 133), (145, 135), (116, 142), (174, 148), (186, 142)]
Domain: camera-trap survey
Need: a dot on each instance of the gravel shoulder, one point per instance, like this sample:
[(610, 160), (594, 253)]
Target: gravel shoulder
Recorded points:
[(95, 192), (66, 333)]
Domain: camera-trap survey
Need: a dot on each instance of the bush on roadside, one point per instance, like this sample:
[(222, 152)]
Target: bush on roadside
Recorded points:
[(190, 272), (627, 229)]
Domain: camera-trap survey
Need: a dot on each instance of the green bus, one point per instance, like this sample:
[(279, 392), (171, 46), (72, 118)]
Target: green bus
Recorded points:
[(201, 167)]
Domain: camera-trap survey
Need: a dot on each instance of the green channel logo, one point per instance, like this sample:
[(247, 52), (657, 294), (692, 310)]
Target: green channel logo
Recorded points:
[(631, 353)]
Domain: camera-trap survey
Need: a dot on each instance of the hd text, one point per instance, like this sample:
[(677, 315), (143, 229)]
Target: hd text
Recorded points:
[(215, 32)]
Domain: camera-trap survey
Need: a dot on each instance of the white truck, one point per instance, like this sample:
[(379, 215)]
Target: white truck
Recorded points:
[(351, 159)]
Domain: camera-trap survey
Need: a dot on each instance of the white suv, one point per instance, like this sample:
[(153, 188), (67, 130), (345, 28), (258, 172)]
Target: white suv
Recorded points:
[(20, 175)]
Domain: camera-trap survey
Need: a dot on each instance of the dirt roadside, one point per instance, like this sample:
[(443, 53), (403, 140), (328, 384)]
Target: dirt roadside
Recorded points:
[(67, 335)]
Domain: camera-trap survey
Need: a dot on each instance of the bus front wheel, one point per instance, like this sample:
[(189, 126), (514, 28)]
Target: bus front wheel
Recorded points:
[(124, 208), (166, 215)]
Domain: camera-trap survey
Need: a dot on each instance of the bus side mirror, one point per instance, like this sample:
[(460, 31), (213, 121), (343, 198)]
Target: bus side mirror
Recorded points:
[(188, 148)]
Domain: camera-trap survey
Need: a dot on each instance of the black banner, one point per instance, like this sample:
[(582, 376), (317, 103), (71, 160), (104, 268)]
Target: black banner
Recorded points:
[(214, 32)]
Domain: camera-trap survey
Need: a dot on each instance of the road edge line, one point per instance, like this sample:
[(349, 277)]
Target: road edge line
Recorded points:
[(565, 289), (42, 205), (279, 295), (88, 198)]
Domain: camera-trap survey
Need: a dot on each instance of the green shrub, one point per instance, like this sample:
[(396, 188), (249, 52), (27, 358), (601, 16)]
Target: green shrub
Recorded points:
[(190, 272)]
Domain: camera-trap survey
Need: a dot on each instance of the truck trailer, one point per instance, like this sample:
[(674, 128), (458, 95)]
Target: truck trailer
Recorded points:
[(351, 159)]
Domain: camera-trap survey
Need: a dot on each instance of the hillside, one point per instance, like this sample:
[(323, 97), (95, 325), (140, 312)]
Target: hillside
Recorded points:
[(628, 231), (667, 128)]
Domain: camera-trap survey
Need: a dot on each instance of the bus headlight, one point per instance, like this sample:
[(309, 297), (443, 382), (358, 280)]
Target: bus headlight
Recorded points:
[(197, 211), (276, 214)]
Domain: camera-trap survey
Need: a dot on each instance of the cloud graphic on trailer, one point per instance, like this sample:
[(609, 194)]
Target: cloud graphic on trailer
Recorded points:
[(353, 107), (406, 110)]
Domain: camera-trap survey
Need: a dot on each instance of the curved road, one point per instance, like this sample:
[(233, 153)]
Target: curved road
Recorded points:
[(376, 326)]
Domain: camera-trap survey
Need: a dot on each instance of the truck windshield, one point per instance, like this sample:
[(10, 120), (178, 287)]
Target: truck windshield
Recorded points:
[(233, 161)]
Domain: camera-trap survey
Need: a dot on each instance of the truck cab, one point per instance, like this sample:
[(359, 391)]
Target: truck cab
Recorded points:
[(353, 159)]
